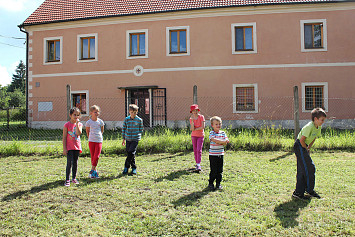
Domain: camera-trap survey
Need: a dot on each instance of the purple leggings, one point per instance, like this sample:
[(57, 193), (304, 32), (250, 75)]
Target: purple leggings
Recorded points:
[(197, 143)]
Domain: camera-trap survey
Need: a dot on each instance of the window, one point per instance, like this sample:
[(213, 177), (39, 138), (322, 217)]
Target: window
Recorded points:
[(137, 44), (245, 98), (87, 45), (244, 38), (314, 95), (52, 50), (80, 100), (313, 35), (178, 41)]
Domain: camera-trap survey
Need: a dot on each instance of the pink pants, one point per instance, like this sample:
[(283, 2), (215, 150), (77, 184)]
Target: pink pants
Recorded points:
[(95, 150), (197, 143)]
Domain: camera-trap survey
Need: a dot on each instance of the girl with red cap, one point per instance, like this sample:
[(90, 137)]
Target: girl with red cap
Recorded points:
[(197, 126)]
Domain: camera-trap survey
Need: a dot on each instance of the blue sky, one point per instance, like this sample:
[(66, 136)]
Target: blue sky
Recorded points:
[(12, 14)]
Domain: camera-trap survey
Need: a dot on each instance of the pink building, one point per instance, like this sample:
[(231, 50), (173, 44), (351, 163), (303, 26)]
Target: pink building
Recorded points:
[(242, 57)]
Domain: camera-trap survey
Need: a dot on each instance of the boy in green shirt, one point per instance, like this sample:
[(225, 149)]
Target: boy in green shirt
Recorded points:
[(305, 167)]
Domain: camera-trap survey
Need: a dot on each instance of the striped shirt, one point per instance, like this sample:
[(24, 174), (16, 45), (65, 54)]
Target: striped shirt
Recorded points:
[(217, 149), (132, 129)]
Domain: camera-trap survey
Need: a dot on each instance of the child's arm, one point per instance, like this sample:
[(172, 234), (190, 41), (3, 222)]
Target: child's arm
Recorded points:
[(65, 131), (311, 144), (102, 129), (303, 143), (124, 133), (192, 125), (87, 131), (219, 141), (202, 126), (79, 129)]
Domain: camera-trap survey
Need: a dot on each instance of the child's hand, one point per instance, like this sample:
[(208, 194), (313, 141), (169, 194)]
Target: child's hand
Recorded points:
[(123, 143), (65, 152)]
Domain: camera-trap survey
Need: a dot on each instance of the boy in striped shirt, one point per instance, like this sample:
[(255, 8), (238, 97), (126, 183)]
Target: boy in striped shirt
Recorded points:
[(131, 133), (218, 139)]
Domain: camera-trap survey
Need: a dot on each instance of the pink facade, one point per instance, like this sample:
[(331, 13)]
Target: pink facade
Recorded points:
[(276, 63)]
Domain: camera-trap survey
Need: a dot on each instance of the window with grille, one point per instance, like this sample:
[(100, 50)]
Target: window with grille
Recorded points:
[(53, 50), (313, 35), (245, 99), (314, 97), (79, 101)]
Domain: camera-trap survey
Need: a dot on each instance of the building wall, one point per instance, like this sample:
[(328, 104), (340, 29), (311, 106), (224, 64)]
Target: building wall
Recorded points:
[(278, 65)]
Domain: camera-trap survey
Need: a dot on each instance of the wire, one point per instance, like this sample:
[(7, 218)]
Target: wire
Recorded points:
[(10, 37), (13, 45)]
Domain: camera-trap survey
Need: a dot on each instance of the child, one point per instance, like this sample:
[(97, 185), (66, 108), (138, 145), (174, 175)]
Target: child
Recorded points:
[(94, 130), (197, 126), (131, 135), (218, 139), (71, 144), (305, 167)]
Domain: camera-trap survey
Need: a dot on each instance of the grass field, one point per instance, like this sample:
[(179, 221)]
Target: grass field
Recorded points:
[(167, 199)]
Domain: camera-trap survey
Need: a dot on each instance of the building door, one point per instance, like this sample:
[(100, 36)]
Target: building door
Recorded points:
[(141, 98)]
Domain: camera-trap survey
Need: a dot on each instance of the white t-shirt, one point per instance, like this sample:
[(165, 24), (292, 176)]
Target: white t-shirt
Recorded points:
[(95, 134)]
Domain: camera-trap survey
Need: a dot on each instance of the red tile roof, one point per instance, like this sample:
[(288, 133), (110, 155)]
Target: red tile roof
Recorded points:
[(66, 10)]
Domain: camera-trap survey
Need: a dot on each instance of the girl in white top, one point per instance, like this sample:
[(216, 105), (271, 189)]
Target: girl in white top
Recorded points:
[(94, 130)]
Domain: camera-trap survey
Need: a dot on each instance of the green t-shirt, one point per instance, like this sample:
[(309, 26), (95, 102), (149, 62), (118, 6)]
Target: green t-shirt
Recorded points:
[(310, 132)]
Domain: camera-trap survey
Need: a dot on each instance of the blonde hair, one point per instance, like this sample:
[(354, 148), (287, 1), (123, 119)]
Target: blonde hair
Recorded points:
[(215, 118), (94, 107), (133, 107)]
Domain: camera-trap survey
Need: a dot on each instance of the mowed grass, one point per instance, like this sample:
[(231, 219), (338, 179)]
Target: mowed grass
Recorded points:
[(167, 199)]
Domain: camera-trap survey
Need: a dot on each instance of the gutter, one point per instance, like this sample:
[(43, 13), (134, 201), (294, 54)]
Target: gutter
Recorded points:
[(27, 38)]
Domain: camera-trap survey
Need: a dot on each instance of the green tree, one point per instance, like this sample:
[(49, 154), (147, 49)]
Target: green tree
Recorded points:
[(17, 98), (4, 98), (18, 79)]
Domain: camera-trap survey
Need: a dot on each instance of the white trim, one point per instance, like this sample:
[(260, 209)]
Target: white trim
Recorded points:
[(45, 48), (228, 11), (306, 65), (253, 24), (325, 92), (30, 56), (256, 98), (79, 60), (325, 44), (128, 43), (167, 34), (87, 99)]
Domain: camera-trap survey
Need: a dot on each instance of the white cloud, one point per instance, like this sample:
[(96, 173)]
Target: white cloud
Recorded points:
[(19, 5), (5, 76)]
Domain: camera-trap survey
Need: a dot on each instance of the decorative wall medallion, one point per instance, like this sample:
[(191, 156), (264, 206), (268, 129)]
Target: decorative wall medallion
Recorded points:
[(138, 70)]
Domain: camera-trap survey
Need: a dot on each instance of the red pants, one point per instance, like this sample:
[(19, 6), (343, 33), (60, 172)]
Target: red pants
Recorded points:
[(95, 150)]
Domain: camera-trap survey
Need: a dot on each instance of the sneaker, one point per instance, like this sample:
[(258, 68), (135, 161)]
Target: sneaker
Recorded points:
[(314, 194), (67, 183), (134, 171), (219, 187), (75, 181), (198, 168), (211, 187), (125, 171), (96, 174), (91, 174), (299, 196)]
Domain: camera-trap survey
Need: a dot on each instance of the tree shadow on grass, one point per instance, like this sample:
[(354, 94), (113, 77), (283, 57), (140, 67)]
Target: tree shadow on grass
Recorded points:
[(171, 156), (288, 212), (53, 185), (176, 175), (192, 198), (281, 156)]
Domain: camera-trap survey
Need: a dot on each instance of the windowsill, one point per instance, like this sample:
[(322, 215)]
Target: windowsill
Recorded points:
[(245, 112), (52, 62), (87, 60), (179, 54), (245, 52), (137, 56), (314, 50)]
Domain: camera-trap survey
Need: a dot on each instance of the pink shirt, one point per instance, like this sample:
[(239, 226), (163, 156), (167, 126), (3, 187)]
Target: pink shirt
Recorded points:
[(73, 141), (198, 123)]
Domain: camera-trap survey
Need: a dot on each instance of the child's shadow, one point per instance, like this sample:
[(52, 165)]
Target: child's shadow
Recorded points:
[(192, 198), (176, 175), (53, 185), (288, 212)]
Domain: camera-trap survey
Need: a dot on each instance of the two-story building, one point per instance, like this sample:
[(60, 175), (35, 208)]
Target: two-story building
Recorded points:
[(241, 58)]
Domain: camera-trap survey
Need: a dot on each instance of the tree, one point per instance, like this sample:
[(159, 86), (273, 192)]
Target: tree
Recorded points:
[(17, 99), (18, 79), (4, 99)]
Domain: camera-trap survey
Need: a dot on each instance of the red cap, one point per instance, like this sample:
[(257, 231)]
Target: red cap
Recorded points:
[(193, 107)]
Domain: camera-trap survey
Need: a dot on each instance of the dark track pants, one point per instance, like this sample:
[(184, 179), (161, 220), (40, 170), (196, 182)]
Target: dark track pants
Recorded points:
[(131, 148), (72, 163), (216, 165), (305, 170)]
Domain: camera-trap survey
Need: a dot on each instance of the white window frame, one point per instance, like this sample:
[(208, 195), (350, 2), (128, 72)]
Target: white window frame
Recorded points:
[(256, 98), (79, 47), (87, 100), (128, 43), (325, 94), (325, 44), (45, 50), (255, 48), (168, 29)]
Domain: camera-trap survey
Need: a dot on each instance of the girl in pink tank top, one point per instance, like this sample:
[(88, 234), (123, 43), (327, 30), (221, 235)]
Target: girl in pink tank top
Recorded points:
[(197, 126)]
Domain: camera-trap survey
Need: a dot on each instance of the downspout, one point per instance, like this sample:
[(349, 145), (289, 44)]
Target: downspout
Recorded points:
[(27, 37)]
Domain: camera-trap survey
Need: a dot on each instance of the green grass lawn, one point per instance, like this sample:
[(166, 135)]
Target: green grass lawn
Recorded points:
[(167, 199)]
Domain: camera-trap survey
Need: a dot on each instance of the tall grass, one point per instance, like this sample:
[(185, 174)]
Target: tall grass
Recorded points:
[(178, 140)]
